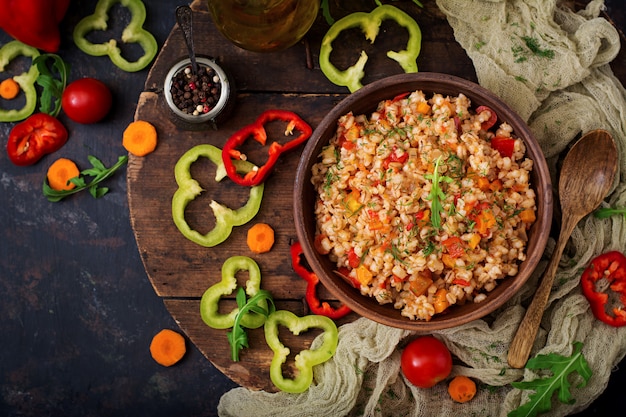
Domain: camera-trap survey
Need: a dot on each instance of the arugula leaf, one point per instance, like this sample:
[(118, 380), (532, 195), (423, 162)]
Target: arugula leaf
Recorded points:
[(436, 194), (326, 12), (99, 173), (606, 212), (53, 80), (237, 337), (561, 368)]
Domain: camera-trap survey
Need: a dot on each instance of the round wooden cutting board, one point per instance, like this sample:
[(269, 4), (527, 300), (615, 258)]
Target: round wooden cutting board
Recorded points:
[(180, 270)]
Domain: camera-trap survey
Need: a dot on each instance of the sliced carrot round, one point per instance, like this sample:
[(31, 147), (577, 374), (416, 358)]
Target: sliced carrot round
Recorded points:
[(167, 347), (9, 89), (140, 138), (462, 389), (260, 238), (60, 173)]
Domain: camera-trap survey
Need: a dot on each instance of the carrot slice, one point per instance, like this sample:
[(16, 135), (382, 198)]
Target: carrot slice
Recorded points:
[(60, 173), (462, 389), (167, 347), (260, 238), (9, 89), (140, 138)]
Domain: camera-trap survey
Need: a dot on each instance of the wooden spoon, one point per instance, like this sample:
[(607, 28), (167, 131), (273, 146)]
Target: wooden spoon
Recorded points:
[(586, 177)]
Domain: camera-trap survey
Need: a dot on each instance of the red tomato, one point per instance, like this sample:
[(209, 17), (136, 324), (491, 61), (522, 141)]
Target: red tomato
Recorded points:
[(35, 137), (426, 361), (86, 100)]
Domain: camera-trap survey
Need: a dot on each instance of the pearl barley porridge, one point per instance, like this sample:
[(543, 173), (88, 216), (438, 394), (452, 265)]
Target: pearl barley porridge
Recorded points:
[(425, 204)]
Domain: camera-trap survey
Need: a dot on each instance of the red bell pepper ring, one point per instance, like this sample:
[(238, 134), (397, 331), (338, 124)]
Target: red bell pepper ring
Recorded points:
[(612, 267), (257, 131), (35, 137), (316, 306)]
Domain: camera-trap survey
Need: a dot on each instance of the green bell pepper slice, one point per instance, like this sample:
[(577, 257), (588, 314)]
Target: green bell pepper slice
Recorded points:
[(26, 80), (133, 33), (209, 304), (306, 359), (370, 24), (188, 189)]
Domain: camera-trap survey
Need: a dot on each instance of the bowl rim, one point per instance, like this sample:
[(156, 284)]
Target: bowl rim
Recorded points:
[(387, 88)]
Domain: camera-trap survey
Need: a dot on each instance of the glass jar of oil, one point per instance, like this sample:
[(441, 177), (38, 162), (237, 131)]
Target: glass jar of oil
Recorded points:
[(264, 25)]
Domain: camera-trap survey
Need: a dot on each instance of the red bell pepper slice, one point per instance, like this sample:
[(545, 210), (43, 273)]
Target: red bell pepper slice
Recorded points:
[(35, 137), (316, 306), (257, 131), (393, 157), (505, 146), (612, 267)]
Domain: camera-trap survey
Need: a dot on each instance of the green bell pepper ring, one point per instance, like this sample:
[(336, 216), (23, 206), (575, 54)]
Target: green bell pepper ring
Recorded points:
[(188, 189), (133, 33), (26, 80), (370, 24), (209, 304), (306, 359)]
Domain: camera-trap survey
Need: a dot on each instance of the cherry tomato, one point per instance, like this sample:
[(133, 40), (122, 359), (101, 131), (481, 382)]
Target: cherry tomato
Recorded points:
[(86, 100), (35, 137), (425, 361)]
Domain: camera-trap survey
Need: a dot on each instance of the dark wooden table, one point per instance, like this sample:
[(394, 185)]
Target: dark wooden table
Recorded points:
[(78, 310)]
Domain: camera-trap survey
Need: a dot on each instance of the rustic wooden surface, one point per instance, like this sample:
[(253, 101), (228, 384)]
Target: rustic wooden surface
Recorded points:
[(78, 311), (180, 270)]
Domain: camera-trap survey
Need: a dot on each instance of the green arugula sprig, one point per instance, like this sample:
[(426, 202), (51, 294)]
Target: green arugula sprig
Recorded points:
[(99, 173), (606, 212), (561, 367), (436, 195), (237, 337), (53, 80)]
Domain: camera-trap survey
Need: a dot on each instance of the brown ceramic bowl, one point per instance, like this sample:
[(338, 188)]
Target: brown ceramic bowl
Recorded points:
[(364, 101)]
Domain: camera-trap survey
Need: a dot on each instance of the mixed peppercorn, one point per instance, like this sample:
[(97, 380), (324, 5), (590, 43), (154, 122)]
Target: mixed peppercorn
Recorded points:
[(196, 94)]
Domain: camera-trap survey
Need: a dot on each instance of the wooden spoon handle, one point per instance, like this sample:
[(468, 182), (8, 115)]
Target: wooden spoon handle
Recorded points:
[(523, 341)]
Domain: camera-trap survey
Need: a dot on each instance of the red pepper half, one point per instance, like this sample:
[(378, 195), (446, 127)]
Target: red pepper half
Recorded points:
[(612, 267), (257, 131), (316, 306), (35, 137), (34, 22)]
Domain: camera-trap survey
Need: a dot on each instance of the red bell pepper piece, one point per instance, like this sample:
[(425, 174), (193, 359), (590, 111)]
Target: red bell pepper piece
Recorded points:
[(35, 137), (316, 306), (353, 259), (257, 131), (393, 157), (34, 22), (612, 267), (505, 146)]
